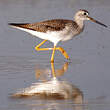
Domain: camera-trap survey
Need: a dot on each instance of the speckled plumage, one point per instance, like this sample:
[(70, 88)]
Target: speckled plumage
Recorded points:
[(65, 27), (49, 25)]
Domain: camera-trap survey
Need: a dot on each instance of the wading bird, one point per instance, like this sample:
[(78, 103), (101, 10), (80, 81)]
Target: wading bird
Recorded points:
[(57, 30)]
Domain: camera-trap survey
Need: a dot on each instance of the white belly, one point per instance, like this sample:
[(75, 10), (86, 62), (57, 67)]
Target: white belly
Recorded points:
[(53, 36)]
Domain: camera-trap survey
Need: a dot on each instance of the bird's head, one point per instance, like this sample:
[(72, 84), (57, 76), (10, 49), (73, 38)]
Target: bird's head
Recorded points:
[(82, 15)]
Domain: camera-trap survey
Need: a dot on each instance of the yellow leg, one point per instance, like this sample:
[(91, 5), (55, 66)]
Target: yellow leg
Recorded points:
[(38, 46), (53, 53), (63, 52), (58, 48), (53, 69)]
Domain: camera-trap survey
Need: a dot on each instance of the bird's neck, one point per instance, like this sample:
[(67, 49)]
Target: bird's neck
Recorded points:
[(80, 23)]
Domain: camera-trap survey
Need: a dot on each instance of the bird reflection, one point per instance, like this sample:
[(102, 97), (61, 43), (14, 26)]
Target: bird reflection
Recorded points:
[(45, 73), (52, 88)]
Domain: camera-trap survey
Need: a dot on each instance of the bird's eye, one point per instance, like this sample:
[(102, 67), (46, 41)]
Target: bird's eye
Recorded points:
[(85, 13)]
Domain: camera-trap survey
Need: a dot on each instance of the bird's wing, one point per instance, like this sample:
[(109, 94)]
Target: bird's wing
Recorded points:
[(49, 25)]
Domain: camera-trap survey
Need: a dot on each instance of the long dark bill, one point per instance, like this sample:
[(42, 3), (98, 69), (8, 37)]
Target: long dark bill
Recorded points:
[(97, 22)]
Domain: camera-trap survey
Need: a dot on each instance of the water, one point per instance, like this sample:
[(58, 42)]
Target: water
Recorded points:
[(21, 65)]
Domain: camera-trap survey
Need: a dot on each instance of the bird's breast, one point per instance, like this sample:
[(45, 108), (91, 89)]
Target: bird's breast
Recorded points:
[(70, 32)]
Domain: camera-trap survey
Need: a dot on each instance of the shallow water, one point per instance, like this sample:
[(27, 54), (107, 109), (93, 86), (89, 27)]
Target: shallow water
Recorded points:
[(89, 52)]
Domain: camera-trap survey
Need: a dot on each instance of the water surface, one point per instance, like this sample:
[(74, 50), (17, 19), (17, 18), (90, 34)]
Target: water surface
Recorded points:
[(89, 52)]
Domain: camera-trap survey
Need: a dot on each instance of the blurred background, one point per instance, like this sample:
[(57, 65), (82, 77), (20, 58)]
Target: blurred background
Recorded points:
[(89, 69)]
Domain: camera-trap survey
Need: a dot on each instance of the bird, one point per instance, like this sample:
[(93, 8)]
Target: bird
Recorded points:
[(57, 30)]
